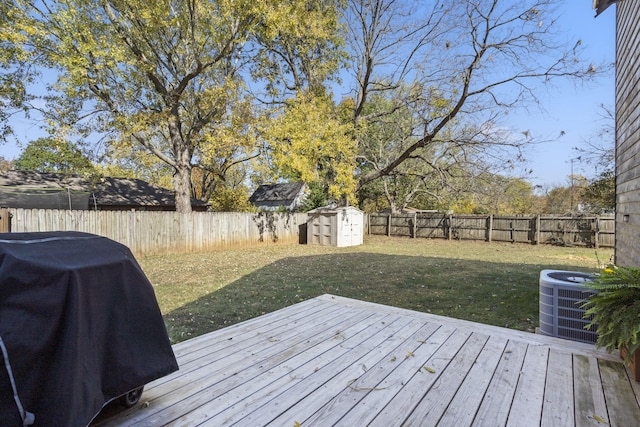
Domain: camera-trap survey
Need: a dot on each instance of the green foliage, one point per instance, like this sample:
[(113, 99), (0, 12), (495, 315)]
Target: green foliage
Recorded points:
[(54, 155), (226, 199), (600, 193), (203, 85), (307, 51), (316, 198), (133, 161), (309, 142), (616, 308), (15, 70)]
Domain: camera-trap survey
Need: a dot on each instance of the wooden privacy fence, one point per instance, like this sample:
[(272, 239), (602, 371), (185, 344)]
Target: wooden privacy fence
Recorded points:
[(152, 233), (594, 231)]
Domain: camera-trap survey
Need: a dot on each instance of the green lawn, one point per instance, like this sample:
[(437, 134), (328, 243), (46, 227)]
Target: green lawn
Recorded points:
[(492, 283)]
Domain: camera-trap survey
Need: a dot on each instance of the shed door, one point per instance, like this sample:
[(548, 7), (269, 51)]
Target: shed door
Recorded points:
[(350, 230), (356, 228)]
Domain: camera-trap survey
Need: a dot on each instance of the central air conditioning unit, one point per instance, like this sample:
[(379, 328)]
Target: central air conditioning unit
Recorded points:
[(561, 295)]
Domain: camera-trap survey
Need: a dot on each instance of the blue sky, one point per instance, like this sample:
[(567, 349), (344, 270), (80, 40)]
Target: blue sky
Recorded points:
[(570, 107), (567, 107)]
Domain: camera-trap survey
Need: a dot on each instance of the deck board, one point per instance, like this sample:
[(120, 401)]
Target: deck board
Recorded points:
[(589, 402), (337, 361), (498, 396), (558, 406), (463, 407)]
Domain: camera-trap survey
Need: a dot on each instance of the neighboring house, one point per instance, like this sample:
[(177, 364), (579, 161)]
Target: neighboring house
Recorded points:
[(36, 190), (272, 197), (627, 245)]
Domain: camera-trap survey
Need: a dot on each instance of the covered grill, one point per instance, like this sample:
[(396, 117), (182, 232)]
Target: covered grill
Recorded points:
[(80, 326)]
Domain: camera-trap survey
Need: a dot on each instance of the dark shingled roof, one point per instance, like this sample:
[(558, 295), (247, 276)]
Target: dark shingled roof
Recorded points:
[(108, 191), (276, 192)]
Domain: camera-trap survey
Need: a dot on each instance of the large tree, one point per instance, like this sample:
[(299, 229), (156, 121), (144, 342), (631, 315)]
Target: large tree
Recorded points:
[(448, 163), (456, 65), (161, 74), (54, 155)]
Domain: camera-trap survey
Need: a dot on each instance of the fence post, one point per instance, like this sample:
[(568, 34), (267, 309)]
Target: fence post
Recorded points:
[(511, 232), (389, 226), (415, 224), (450, 225), (596, 232), (490, 228), (537, 231)]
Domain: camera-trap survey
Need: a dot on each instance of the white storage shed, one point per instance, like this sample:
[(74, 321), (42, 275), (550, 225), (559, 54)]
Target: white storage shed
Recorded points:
[(335, 226)]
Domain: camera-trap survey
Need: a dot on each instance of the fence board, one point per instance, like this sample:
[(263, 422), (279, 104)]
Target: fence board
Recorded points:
[(5, 220)]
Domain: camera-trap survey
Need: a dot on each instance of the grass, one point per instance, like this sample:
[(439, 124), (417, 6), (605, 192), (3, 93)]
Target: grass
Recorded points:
[(491, 283)]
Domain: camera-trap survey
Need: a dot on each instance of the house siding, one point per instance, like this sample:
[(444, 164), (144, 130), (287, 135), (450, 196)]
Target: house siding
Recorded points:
[(627, 245)]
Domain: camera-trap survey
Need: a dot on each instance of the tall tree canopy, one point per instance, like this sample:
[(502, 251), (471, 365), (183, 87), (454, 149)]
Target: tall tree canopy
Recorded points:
[(162, 74), (457, 67), (207, 85)]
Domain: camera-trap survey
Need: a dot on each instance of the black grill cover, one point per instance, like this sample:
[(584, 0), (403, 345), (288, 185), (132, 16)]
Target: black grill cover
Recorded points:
[(80, 323)]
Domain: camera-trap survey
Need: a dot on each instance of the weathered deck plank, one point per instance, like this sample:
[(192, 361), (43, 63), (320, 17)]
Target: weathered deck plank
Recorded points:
[(622, 406), (436, 400), (463, 407), (335, 361), (315, 372), (590, 406), (371, 383), (410, 395), (526, 408), (496, 402), (558, 409)]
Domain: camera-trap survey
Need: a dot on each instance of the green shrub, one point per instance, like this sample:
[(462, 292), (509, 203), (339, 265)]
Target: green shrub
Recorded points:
[(616, 308)]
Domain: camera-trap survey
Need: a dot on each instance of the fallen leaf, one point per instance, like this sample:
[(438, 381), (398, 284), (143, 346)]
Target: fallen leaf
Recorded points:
[(429, 369), (600, 420)]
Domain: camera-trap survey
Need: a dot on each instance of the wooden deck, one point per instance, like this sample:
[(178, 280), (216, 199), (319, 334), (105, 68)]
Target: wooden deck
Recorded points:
[(336, 361)]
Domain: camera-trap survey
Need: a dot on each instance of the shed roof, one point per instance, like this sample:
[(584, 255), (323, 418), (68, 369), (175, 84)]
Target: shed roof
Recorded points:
[(333, 209)]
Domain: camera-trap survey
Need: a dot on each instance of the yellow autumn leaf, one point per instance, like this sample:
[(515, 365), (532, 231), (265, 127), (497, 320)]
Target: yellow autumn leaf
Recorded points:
[(599, 419)]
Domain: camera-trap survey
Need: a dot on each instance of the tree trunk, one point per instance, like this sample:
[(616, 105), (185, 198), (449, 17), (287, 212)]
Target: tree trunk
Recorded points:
[(182, 186), (182, 152)]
